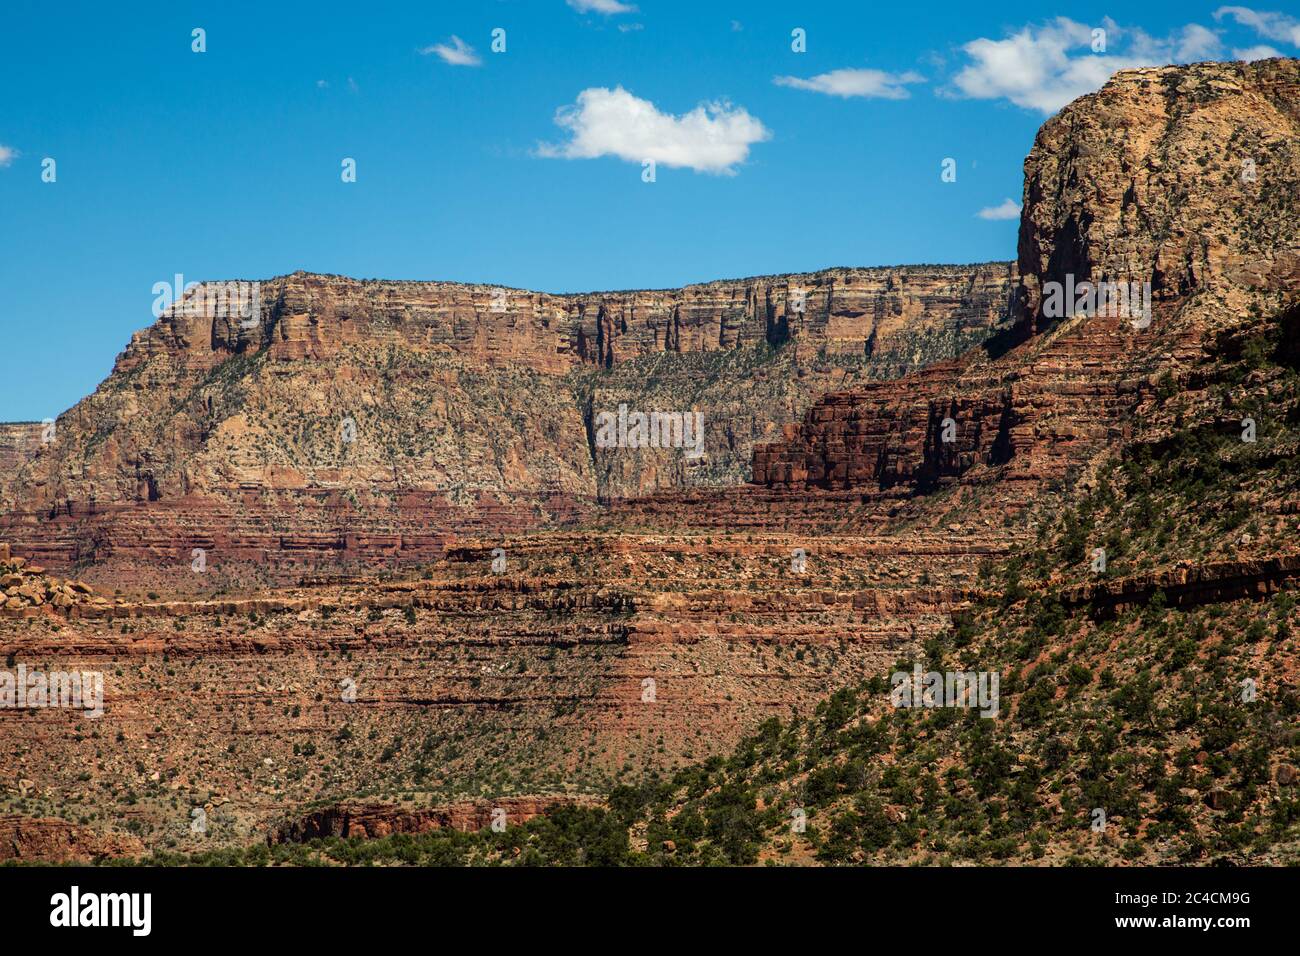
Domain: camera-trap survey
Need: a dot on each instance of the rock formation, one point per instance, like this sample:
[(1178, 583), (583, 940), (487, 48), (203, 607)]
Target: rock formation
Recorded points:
[(18, 444), (25, 587), (48, 840), (1183, 179), (645, 616), (352, 422), (368, 821)]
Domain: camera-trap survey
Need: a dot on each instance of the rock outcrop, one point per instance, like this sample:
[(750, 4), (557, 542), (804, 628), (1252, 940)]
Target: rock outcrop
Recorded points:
[(18, 444), (370, 821), (1178, 180), (50, 840), (344, 423), (25, 589)]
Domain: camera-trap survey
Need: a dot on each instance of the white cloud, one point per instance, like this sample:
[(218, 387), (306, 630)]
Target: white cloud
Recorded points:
[(1044, 67), (847, 83), (630, 27), (1261, 52), (459, 53), (601, 6), (1196, 43), (1032, 68), (1275, 26), (7, 155), (1007, 209), (712, 138)]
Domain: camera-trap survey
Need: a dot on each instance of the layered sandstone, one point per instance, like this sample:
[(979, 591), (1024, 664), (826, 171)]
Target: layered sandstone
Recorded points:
[(321, 317), (589, 658), (351, 423), (18, 443), (50, 840)]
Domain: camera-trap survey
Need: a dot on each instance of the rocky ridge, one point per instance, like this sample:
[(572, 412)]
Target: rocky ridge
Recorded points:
[(361, 422)]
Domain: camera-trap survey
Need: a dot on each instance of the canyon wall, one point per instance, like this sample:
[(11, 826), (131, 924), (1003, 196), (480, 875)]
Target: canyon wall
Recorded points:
[(1184, 179), (850, 311), (343, 423)]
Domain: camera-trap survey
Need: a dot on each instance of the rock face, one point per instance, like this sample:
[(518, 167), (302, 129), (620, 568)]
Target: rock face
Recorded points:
[(1210, 583), (1028, 416), (18, 444), (1183, 179), (346, 422), (48, 840), (853, 311), (369, 821)]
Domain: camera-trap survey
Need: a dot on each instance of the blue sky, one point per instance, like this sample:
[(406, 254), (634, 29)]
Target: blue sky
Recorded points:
[(226, 163)]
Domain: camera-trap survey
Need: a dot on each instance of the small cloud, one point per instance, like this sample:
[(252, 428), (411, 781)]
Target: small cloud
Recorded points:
[(848, 83), (629, 27), (1008, 209), (1274, 26), (1043, 67), (322, 85), (1250, 53), (7, 155), (606, 7), (352, 85), (736, 26), (712, 138), (459, 53), (1196, 43)]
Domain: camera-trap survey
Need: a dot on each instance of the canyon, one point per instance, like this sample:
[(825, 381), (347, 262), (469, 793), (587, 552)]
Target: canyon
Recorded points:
[(462, 600)]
